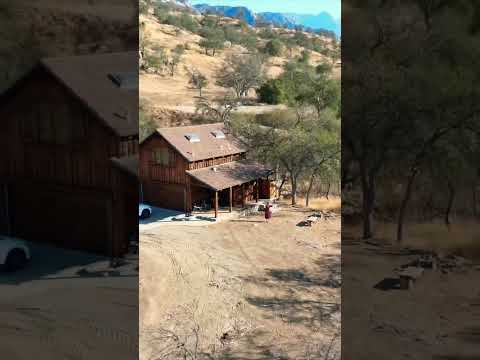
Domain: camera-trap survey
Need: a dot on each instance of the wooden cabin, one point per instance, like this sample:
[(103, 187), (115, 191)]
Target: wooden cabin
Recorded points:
[(67, 126), (188, 166)]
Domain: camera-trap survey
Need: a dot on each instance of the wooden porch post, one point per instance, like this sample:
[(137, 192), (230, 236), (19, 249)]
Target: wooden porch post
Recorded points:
[(243, 195), (188, 195), (216, 204), (110, 231), (230, 199)]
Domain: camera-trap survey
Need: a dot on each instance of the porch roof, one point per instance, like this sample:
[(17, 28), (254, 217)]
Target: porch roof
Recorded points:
[(231, 174)]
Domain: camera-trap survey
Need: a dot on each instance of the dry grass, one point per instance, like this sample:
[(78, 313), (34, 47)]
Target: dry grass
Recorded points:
[(462, 238), (174, 92), (332, 203)]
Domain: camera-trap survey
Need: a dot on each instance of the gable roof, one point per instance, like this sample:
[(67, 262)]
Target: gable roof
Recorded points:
[(89, 78), (208, 147)]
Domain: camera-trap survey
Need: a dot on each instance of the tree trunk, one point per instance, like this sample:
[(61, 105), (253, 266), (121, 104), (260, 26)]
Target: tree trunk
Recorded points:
[(451, 198), (403, 206), (368, 200), (294, 190), (474, 201), (328, 190), (280, 188), (310, 186)]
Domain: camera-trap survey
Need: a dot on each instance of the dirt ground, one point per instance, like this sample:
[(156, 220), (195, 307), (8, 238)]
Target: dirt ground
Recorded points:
[(69, 305), (438, 319), (241, 289)]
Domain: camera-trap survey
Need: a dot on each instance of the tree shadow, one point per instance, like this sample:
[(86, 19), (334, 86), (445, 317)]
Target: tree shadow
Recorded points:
[(252, 348), (255, 346), (301, 296), (469, 335), (388, 284)]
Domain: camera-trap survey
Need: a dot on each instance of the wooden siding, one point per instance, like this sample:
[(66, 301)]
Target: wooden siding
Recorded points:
[(55, 163), (125, 207), (152, 172), (76, 220), (215, 161), (55, 139)]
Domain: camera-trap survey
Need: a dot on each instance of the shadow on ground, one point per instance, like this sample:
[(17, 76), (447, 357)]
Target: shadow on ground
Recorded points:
[(159, 214), (303, 349), (296, 297), (51, 263)]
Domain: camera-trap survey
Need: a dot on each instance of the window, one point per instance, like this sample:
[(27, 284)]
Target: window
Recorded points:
[(29, 128), (63, 130), (218, 134), (163, 157), (192, 137), (46, 133), (127, 81), (79, 128)]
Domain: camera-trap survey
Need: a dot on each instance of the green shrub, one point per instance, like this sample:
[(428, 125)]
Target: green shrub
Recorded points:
[(274, 47), (183, 21), (271, 92), (143, 8), (267, 33), (160, 12)]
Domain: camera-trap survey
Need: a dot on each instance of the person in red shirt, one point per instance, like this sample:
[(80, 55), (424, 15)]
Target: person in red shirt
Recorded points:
[(268, 211)]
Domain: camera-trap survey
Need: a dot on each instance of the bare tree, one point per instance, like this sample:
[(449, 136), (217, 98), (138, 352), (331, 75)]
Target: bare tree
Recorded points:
[(197, 80), (219, 110), (241, 73)]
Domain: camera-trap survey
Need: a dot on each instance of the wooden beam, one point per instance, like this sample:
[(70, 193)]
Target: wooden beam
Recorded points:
[(110, 231), (188, 195), (216, 204), (231, 198), (243, 195)]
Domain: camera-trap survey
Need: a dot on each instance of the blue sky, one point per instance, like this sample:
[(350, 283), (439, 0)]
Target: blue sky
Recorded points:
[(285, 6)]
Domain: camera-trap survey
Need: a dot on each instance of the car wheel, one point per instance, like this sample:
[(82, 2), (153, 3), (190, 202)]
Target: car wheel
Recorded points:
[(16, 259), (145, 214)]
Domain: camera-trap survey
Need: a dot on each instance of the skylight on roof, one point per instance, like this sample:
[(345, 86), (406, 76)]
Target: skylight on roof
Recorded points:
[(218, 134), (192, 137), (127, 81)]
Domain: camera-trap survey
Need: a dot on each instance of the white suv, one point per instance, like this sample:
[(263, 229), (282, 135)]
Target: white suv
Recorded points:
[(14, 253), (144, 211)]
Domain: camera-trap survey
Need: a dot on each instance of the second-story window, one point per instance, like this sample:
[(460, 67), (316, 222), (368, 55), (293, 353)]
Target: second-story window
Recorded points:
[(162, 157)]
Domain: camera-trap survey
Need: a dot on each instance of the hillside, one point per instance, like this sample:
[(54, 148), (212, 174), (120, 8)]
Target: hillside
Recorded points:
[(36, 29), (165, 33)]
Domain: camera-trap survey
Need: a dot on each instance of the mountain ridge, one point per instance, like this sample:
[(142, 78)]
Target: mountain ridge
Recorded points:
[(321, 21)]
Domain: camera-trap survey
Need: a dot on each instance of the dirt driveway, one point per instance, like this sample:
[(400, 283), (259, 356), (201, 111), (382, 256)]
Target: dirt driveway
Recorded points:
[(241, 289), (69, 305)]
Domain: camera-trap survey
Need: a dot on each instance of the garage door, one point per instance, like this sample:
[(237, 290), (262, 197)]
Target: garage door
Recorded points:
[(60, 217), (165, 195)]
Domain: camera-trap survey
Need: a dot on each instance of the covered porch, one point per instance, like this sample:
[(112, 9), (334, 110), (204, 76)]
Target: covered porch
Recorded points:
[(225, 187)]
